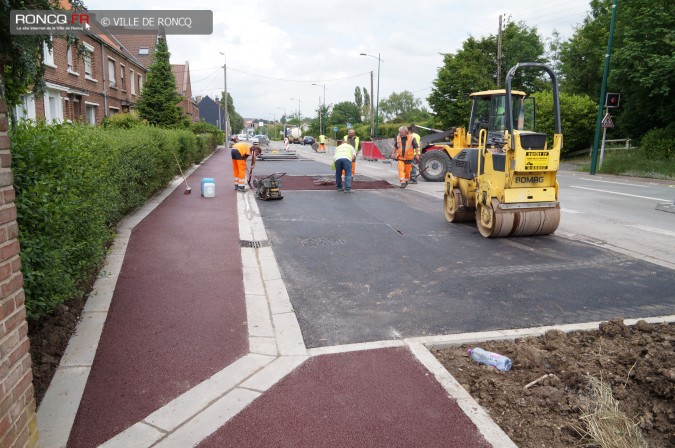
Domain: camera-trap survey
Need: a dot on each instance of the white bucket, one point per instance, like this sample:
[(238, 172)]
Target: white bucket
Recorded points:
[(209, 190)]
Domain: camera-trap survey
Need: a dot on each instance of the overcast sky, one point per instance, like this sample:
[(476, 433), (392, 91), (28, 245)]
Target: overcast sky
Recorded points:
[(276, 49)]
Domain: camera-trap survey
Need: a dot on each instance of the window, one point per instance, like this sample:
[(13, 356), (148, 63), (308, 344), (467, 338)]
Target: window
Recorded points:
[(144, 51), (88, 61), (53, 106), (91, 113), (48, 54), (140, 84), (111, 73), (122, 84), (26, 109), (113, 111), (69, 58), (132, 81)]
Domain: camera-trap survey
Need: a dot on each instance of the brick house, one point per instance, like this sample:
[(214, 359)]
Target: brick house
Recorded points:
[(183, 85), (106, 79)]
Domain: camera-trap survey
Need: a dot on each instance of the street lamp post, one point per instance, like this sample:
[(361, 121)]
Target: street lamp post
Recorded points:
[(226, 118), (377, 107), (323, 107)]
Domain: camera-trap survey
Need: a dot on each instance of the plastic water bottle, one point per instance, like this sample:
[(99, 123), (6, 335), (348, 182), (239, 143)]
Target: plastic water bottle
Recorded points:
[(495, 360)]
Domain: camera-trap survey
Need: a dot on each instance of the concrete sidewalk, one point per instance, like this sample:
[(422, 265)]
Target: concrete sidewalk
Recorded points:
[(190, 338)]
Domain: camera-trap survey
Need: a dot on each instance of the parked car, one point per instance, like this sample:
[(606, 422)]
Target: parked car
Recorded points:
[(308, 140), (262, 139)]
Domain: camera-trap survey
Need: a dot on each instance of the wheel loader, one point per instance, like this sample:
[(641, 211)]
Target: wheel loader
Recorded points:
[(507, 181)]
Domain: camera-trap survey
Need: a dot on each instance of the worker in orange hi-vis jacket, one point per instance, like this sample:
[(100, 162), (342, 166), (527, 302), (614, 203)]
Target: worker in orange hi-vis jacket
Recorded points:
[(240, 152), (404, 151)]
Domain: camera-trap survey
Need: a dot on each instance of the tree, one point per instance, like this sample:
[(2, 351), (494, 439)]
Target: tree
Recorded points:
[(159, 99), (582, 57), (400, 106), (366, 104), (469, 70), (21, 65), (473, 68), (358, 97), (345, 112), (577, 115), (644, 65), (236, 120)]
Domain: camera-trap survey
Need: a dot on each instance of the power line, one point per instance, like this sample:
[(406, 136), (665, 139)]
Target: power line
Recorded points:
[(303, 81)]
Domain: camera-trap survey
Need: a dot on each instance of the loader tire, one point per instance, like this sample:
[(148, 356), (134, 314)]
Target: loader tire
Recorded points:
[(434, 164)]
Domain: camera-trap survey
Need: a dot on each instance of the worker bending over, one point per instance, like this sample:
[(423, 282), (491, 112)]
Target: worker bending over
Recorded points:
[(343, 159), (404, 151), (240, 153)]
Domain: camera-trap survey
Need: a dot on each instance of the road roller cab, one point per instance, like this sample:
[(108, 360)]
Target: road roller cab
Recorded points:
[(507, 183)]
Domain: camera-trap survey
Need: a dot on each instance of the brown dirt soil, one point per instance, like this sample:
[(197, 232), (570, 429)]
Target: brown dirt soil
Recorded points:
[(637, 362), (48, 340)]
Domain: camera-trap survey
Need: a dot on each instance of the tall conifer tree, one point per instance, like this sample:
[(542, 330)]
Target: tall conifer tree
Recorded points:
[(159, 99)]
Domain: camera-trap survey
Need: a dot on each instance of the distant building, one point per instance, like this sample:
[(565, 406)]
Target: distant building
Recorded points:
[(211, 112), (188, 104)]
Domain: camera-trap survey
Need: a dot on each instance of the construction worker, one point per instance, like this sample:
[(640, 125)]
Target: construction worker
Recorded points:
[(240, 153), (404, 152), (353, 140), (344, 156), (322, 143), (416, 136)]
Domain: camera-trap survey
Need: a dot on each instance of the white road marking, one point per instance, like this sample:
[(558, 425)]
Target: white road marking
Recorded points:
[(652, 229), (622, 194), (611, 182)]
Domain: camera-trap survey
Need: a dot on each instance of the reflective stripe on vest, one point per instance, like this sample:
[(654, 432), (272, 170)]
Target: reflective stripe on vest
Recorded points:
[(409, 150)]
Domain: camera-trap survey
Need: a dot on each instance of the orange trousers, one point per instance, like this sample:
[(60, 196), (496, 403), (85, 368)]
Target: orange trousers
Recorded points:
[(353, 170), (239, 170), (322, 147), (404, 170)]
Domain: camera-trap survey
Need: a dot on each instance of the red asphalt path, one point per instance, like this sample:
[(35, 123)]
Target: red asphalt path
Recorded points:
[(376, 398), (178, 312), (178, 316)]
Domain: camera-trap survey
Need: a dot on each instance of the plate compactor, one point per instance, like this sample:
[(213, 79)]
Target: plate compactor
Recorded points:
[(507, 182), (268, 188)]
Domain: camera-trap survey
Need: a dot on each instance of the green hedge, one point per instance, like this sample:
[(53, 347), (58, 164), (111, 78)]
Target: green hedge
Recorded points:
[(73, 183)]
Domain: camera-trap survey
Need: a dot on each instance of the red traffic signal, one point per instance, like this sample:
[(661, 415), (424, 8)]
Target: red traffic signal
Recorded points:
[(612, 100)]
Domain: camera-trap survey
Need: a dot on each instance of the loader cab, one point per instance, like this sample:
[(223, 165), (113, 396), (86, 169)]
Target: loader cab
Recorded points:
[(488, 111)]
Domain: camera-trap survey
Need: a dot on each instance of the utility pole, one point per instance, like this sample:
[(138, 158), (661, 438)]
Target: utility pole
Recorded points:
[(372, 109), (499, 51), (320, 121), (603, 90), (225, 97)]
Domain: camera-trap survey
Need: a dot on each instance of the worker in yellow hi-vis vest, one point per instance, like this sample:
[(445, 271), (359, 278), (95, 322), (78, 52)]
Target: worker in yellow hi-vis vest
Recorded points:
[(322, 143), (353, 140)]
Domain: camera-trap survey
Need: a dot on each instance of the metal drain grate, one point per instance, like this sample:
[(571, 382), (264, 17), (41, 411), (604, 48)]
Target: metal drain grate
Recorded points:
[(254, 244)]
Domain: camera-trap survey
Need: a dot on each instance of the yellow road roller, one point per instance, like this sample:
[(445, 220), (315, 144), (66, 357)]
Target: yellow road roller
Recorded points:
[(507, 182)]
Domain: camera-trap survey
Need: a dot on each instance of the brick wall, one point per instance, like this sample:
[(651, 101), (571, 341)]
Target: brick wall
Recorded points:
[(18, 424), (89, 90)]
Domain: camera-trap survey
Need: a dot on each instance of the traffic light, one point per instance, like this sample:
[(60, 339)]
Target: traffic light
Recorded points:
[(612, 100)]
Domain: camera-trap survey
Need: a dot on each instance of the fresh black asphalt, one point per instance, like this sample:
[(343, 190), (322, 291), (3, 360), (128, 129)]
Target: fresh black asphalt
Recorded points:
[(377, 265)]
